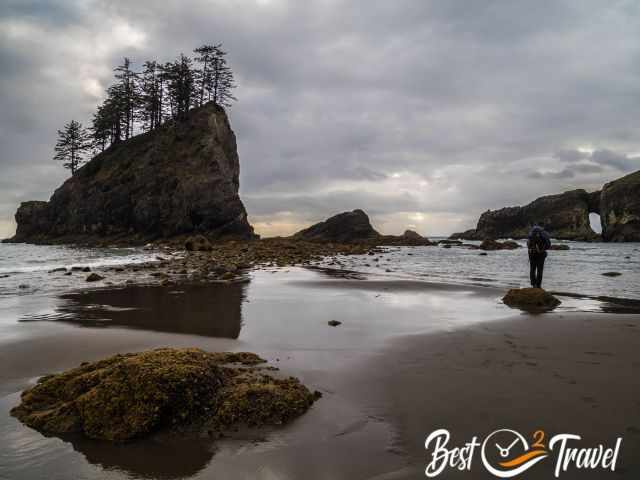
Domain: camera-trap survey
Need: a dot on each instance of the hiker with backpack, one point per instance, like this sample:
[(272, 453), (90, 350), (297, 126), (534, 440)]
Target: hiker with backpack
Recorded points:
[(538, 244)]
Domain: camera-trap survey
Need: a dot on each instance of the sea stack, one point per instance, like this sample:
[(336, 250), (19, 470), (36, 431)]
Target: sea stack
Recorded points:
[(566, 216), (181, 178)]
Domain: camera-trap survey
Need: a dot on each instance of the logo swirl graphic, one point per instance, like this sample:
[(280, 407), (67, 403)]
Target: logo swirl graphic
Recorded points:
[(511, 453)]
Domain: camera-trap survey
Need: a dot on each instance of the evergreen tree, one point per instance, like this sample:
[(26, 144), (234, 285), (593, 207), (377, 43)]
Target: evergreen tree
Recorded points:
[(207, 55), (222, 81), (180, 86), (150, 96), (72, 145), (128, 93)]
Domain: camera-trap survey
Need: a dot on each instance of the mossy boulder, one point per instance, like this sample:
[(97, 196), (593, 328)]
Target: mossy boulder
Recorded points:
[(128, 396), (531, 299)]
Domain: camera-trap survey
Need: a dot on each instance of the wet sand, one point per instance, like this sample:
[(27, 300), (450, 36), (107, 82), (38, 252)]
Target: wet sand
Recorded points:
[(409, 358)]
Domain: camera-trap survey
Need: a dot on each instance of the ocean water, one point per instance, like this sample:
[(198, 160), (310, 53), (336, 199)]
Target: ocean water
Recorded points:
[(24, 268), (578, 270)]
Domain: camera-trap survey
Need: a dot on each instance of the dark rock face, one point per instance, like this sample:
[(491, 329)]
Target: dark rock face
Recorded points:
[(355, 227), (346, 227), (566, 216), (620, 209), (181, 178)]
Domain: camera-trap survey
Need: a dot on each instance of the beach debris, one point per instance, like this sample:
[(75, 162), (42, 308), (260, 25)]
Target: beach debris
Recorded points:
[(489, 244), (94, 277), (611, 274), (534, 300), (131, 395), (334, 323), (197, 243)]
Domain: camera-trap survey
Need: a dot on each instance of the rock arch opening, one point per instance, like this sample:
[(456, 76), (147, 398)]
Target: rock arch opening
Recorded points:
[(595, 222)]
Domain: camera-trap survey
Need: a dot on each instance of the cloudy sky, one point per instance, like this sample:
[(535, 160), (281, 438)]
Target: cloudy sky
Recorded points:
[(423, 113)]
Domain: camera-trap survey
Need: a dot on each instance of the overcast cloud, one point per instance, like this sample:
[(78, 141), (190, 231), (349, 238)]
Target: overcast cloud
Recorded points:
[(423, 113)]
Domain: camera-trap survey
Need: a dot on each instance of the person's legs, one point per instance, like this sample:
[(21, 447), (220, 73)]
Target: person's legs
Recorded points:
[(532, 269), (540, 268)]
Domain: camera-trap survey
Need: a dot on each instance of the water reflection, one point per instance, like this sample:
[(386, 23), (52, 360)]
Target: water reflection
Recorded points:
[(162, 457), (213, 310)]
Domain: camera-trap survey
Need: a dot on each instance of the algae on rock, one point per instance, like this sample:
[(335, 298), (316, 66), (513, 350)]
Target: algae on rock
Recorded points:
[(128, 396)]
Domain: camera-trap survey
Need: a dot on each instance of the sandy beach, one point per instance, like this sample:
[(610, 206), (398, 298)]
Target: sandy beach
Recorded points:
[(410, 357)]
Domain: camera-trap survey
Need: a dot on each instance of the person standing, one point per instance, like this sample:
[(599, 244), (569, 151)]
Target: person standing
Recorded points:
[(538, 243)]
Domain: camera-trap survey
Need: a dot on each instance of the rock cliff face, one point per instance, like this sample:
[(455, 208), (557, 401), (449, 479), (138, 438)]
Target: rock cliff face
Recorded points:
[(620, 209), (566, 216), (181, 178)]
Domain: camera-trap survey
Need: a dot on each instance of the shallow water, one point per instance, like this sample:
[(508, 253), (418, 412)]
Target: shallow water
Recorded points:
[(578, 270), (24, 269), (281, 315)]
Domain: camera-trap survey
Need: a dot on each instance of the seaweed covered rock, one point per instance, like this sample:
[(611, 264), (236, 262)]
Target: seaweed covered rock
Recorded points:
[(530, 299), (128, 396)]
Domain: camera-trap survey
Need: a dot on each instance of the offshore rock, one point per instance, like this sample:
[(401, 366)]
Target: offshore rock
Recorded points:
[(566, 216), (181, 178), (346, 227), (355, 227)]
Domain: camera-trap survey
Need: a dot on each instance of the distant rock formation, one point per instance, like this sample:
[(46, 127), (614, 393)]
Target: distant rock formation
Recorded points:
[(355, 227), (346, 227), (408, 239), (566, 216), (181, 178), (620, 209)]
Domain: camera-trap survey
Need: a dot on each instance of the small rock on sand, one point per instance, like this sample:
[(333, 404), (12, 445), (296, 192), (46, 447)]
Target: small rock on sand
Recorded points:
[(334, 323), (94, 277), (611, 274)]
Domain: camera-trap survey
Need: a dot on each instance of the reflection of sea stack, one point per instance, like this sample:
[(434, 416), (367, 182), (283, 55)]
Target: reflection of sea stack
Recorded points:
[(181, 178), (215, 310)]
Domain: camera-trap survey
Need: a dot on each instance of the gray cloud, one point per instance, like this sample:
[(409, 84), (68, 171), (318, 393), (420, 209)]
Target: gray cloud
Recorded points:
[(422, 113)]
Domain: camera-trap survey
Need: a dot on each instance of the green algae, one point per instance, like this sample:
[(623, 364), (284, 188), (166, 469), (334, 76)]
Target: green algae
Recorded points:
[(132, 395)]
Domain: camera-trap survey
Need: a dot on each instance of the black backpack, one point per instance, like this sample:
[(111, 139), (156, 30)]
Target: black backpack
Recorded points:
[(537, 242)]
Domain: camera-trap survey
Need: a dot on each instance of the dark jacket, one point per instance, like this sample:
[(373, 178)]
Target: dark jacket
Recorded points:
[(545, 238)]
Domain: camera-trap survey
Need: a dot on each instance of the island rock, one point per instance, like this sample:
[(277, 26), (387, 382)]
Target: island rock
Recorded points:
[(179, 179)]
